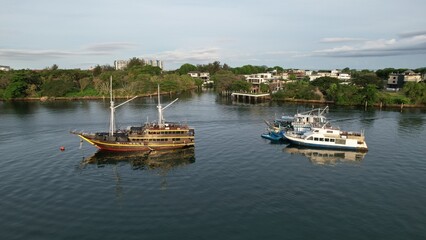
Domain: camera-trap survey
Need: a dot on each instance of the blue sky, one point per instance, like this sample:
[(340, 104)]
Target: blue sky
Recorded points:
[(307, 34)]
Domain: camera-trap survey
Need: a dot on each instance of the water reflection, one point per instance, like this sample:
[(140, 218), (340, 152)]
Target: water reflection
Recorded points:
[(162, 160), (20, 108), (410, 123), (326, 156)]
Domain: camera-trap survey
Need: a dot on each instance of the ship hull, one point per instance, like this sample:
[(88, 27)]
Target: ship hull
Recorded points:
[(273, 136), (323, 146), (349, 144), (135, 146)]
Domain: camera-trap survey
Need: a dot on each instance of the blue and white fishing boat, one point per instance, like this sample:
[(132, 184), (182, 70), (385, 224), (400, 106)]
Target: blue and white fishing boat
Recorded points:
[(275, 131), (327, 137), (299, 123), (305, 121)]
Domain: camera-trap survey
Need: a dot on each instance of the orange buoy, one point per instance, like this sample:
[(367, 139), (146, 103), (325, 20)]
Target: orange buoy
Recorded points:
[(62, 148)]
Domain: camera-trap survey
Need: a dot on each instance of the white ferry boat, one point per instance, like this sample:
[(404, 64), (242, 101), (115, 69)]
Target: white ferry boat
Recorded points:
[(328, 138)]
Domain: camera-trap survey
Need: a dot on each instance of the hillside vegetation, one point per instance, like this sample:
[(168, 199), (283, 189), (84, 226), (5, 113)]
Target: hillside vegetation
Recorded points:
[(365, 86)]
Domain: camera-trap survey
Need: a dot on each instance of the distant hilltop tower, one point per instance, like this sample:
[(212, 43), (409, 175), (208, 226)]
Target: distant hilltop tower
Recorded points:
[(121, 64)]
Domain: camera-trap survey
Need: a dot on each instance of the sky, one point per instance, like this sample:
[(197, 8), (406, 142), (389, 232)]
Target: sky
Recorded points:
[(305, 34)]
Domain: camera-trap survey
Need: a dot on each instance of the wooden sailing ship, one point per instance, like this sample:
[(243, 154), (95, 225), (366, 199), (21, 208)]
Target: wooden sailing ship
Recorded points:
[(160, 135)]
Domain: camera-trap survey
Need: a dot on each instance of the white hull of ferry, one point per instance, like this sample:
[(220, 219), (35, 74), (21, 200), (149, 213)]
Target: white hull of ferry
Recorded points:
[(328, 138)]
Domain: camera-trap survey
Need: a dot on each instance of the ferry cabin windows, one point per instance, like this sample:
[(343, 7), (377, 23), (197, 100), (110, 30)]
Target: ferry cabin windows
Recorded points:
[(155, 139), (166, 132), (321, 139)]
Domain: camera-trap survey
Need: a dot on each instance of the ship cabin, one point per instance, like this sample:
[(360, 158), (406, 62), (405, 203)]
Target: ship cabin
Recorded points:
[(334, 136), (155, 134)]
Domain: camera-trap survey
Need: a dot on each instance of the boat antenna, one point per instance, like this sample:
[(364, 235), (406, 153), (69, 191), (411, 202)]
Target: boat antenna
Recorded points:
[(112, 107), (160, 108)]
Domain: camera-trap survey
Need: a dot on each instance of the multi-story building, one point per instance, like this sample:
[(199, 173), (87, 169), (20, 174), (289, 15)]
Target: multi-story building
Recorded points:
[(397, 80), (122, 64), (299, 74), (205, 76), (257, 79), (4, 68), (344, 76), (332, 73)]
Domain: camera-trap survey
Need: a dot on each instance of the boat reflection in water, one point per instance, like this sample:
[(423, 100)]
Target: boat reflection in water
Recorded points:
[(326, 156), (162, 160)]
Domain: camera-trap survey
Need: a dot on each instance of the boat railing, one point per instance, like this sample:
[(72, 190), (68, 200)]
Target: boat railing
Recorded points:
[(172, 126), (315, 111), (82, 133), (327, 125)]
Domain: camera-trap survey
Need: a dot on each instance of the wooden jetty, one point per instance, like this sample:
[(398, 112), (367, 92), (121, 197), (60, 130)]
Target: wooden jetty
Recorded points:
[(251, 98)]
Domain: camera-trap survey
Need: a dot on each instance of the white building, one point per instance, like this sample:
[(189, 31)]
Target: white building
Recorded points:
[(122, 64), (410, 76), (333, 73), (4, 68), (259, 78), (397, 80), (201, 75), (205, 76), (284, 75), (344, 76)]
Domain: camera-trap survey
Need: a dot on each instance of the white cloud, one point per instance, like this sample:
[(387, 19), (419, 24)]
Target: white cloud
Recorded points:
[(109, 47), (282, 53), (91, 50), (189, 55), (408, 45), (340, 40), (33, 54), (412, 34)]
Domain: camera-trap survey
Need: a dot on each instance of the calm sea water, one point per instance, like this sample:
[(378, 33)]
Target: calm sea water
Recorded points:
[(234, 185)]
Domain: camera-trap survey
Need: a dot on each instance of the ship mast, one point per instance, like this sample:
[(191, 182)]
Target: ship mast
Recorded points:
[(111, 122), (112, 107), (160, 108)]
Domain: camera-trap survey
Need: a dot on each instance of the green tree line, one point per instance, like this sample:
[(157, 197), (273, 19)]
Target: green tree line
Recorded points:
[(365, 85), (137, 78), (365, 88), (54, 82)]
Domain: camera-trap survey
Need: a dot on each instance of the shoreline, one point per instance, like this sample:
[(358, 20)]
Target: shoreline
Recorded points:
[(375, 105), (290, 100), (48, 99)]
